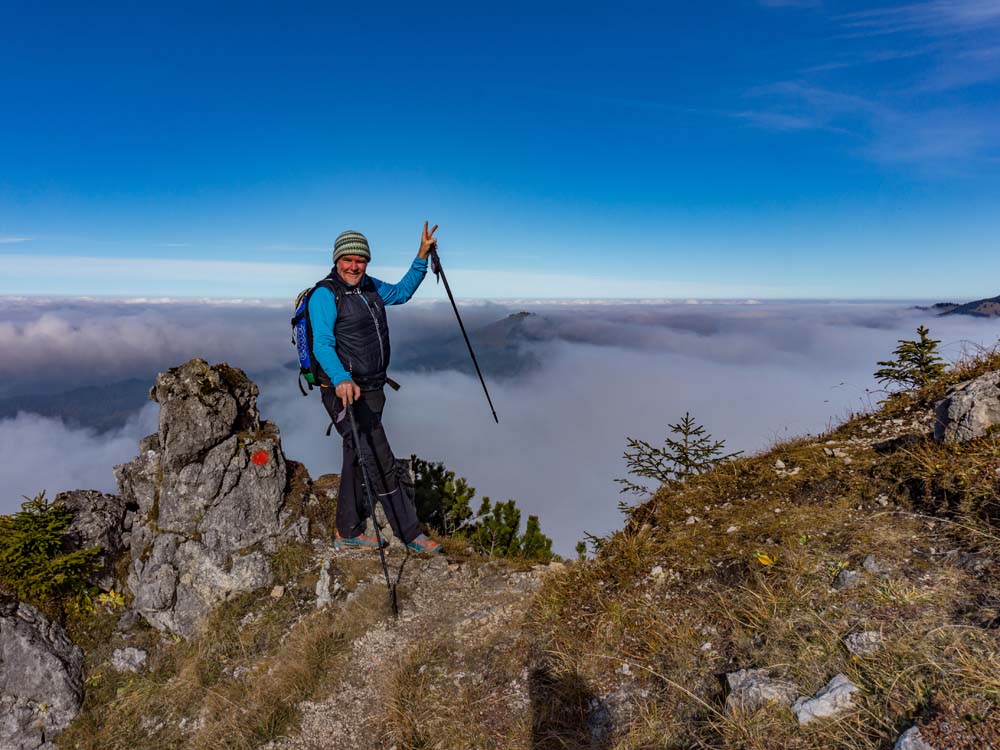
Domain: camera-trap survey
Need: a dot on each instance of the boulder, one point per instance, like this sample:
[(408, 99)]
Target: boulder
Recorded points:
[(209, 492), (968, 410), (834, 699), (41, 678), (99, 520), (752, 689)]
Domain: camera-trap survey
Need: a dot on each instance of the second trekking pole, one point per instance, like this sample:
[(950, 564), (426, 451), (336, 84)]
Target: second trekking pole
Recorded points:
[(439, 273), (371, 509)]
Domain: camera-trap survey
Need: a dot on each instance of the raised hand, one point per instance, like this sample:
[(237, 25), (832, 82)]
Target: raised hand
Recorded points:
[(428, 242)]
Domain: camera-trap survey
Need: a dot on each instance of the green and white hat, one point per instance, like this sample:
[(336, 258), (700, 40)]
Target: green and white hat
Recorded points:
[(351, 243)]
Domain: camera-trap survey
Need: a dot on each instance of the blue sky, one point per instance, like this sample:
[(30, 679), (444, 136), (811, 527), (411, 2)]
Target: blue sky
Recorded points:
[(768, 148)]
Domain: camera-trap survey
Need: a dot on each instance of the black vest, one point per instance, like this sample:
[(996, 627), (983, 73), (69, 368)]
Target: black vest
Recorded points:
[(361, 332)]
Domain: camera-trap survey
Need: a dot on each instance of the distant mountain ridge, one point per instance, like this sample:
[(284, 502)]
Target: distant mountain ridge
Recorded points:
[(502, 348), (980, 308)]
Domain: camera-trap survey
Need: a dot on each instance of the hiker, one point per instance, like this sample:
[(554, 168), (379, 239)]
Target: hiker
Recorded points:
[(351, 348)]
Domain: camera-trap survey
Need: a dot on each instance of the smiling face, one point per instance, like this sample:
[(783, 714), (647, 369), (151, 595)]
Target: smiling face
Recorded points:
[(351, 268)]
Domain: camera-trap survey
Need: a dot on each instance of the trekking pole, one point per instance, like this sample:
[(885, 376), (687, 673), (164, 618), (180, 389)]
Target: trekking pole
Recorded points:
[(391, 587), (439, 274)]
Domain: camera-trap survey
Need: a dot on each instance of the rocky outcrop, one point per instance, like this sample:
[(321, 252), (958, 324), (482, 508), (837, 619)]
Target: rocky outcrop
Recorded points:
[(99, 520), (969, 410), (41, 678), (209, 490)]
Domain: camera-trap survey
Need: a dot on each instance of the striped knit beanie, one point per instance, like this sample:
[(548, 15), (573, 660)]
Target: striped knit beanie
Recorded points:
[(351, 243)]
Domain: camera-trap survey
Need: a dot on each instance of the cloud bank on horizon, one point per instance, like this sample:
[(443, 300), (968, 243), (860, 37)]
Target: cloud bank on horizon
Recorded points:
[(751, 373)]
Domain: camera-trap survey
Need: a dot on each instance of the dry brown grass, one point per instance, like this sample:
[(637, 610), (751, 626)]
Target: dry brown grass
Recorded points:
[(236, 685), (923, 510)]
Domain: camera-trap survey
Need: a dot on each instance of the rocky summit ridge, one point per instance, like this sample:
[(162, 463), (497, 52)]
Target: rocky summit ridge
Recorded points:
[(834, 591), (209, 490)]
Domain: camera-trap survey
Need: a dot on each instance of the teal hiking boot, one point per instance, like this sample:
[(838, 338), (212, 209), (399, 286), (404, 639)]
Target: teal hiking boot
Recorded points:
[(424, 543), (361, 540)]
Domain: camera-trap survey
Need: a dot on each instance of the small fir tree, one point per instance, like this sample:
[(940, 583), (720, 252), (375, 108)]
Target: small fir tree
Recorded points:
[(495, 533), (916, 365), (534, 544), (692, 451), (444, 501), (33, 561), (581, 550)]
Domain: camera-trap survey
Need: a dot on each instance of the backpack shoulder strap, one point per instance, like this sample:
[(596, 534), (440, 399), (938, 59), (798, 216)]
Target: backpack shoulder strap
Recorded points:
[(336, 289)]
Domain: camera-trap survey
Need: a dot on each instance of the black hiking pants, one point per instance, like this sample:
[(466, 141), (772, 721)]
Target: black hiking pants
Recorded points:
[(380, 463)]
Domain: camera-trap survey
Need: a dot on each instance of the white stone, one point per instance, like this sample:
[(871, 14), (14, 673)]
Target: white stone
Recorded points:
[(751, 689), (834, 699), (911, 740), (863, 644), (323, 586)]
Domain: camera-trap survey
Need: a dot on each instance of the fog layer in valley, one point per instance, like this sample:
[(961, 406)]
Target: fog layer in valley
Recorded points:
[(751, 373)]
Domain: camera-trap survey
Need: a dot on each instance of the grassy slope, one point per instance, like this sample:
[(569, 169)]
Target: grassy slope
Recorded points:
[(929, 514)]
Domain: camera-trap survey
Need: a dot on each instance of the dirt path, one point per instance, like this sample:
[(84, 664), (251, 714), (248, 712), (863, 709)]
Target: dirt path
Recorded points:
[(449, 612)]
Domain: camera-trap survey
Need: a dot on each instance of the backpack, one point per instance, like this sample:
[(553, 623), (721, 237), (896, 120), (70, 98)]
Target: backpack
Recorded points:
[(302, 337)]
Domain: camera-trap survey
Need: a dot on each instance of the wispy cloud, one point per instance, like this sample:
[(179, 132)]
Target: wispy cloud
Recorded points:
[(796, 105), (12, 240), (871, 58), (946, 137), (937, 17), (175, 244), (907, 113)]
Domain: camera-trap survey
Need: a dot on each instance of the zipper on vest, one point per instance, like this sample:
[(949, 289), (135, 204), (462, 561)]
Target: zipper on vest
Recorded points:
[(378, 332)]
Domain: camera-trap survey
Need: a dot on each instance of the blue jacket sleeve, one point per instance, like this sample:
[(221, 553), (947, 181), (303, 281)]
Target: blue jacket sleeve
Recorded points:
[(397, 294), (322, 313)]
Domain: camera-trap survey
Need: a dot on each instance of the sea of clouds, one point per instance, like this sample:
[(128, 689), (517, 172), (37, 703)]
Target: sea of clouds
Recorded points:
[(752, 373)]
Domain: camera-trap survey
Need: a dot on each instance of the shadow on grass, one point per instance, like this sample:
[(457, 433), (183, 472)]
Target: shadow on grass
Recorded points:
[(566, 713)]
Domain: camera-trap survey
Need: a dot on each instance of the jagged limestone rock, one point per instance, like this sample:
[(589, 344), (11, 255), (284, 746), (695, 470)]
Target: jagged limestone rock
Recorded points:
[(752, 689), (834, 699), (41, 678), (209, 489), (969, 410), (200, 406), (99, 520)]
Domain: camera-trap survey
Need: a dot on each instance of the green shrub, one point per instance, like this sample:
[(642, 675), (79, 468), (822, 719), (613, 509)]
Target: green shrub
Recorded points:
[(917, 363), (444, 502), (34, 562), (693, 451)]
